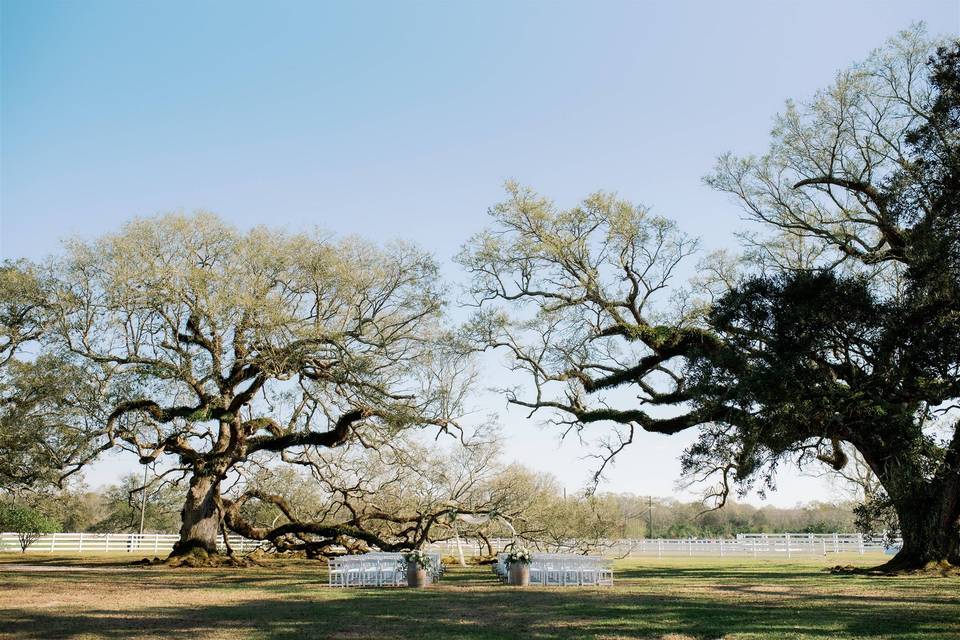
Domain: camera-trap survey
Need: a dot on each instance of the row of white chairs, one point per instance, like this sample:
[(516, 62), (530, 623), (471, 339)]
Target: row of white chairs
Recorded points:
[(378, 569), (562, 569)]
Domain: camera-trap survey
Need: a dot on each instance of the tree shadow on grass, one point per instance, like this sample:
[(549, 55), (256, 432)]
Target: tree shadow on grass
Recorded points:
[(182, 580), (485, 614), (733, 572)]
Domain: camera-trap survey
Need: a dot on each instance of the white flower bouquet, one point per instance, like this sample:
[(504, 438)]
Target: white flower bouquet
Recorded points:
[(418, 558), (519, 555)]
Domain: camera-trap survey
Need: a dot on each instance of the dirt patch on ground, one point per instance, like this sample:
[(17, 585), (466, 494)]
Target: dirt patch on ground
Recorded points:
[(52, 568)]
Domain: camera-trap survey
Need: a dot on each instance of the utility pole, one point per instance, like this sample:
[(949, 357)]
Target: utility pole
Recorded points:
[(650, 516), (143, 499)]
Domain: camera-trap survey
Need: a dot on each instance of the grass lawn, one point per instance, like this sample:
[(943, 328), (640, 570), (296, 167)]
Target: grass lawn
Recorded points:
[(675, 599)]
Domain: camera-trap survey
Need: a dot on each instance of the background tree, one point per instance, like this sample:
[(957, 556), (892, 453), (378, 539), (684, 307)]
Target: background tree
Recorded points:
[(854, 341), (581, 300), (121, 503), (386, 494), (74, 507), (578, 524), (47, 407), (29, 524), (218, 348)]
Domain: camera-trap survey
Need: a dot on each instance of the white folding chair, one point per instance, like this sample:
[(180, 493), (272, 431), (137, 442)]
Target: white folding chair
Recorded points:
[(589, 573), (553, 572), (369, 573), (500, 567), (352, 573), (605, 575), (335, 572), (398, 576), (536, 573)]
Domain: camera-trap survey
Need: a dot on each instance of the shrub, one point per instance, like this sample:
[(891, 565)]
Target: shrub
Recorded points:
[(27, 523)]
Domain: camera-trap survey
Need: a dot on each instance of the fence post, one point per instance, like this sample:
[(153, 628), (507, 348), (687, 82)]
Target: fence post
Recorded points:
[(789, 555), (80, 545), (860, 541)]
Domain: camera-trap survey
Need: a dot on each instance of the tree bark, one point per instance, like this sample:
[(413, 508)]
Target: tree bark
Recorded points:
[(200, 518), (930, 525), (928, 509)]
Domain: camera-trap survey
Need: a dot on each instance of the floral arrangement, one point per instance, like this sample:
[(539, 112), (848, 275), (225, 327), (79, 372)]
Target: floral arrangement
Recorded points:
[(519, 555), (418, 557)]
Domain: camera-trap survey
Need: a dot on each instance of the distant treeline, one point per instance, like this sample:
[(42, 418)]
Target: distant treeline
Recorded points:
[(674, 519), (113, 509), (549, 514)]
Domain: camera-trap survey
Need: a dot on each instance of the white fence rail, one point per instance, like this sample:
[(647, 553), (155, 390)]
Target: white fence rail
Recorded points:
[(148, 543), (756, 545), (752, 545)]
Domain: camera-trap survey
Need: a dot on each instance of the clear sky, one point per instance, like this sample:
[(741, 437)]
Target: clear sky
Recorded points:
[(403, 119)]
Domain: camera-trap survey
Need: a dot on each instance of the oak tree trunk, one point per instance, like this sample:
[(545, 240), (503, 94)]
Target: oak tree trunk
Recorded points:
[(930, 525), (200, 519)]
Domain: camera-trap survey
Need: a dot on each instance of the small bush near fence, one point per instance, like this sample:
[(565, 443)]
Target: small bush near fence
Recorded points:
[(27, 524)]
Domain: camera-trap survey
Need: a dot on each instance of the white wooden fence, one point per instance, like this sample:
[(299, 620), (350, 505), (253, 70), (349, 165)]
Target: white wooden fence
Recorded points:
[(756, 545), (752, 545), (148, 543)]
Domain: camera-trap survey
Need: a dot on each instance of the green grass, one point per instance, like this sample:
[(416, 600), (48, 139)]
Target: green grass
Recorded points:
[(677, 598)]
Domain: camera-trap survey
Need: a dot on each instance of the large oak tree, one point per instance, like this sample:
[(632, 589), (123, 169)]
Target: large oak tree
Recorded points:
[(217, 348), (855, 341)]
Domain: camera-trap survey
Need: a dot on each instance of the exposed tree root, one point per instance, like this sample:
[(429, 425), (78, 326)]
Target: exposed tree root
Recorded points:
[(198, 557), (201, 559), (940, 568)]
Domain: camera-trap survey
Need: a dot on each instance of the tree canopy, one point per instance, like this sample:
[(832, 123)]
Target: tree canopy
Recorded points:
[(217, 347), (857, 341), (840, 326)]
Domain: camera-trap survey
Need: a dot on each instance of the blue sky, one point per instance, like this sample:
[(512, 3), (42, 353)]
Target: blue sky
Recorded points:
[(403, 119)]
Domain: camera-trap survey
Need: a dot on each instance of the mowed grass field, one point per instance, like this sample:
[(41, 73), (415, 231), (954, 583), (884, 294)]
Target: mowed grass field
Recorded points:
[(675, 599)]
